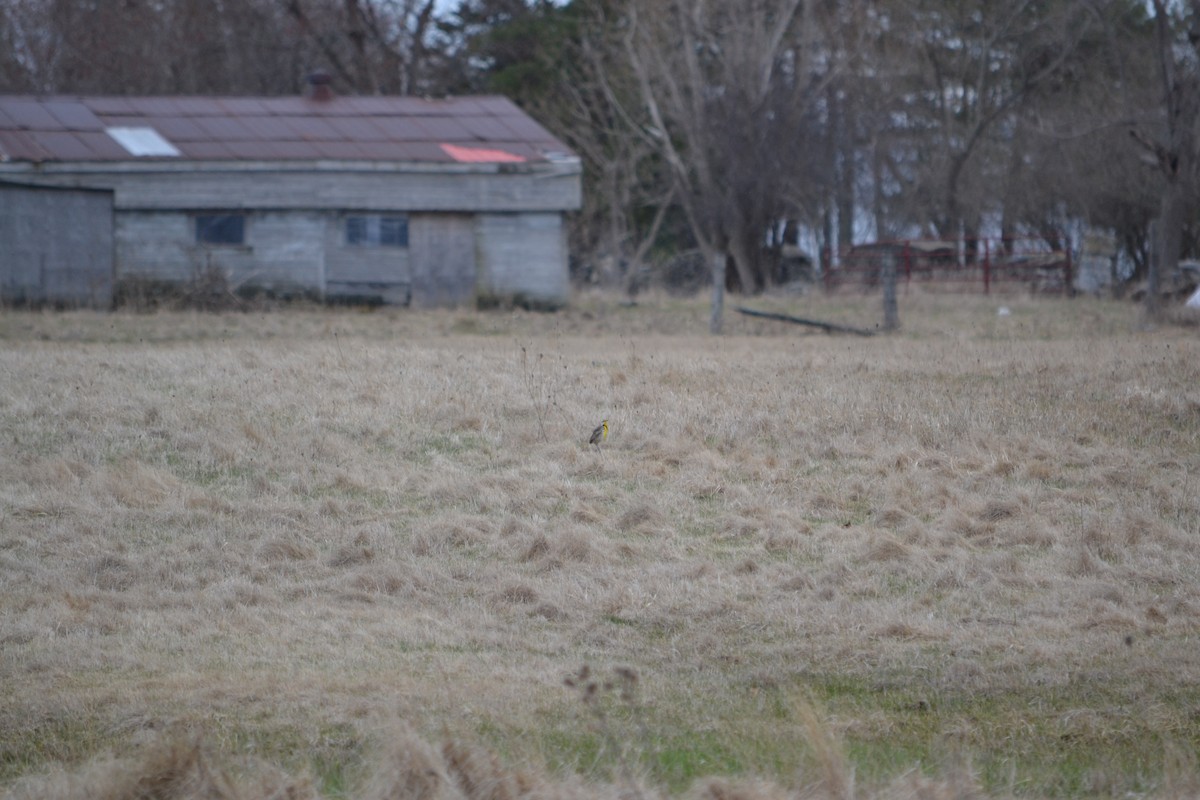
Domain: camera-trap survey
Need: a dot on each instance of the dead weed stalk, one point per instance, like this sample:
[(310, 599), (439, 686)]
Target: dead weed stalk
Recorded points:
[(598, 697)]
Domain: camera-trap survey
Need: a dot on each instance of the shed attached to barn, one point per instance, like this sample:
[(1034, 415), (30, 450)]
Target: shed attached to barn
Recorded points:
[(378, 199), (56, 246)]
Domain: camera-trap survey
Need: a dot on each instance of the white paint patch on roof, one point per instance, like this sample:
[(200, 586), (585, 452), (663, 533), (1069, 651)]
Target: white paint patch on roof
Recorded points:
[(142, 141)]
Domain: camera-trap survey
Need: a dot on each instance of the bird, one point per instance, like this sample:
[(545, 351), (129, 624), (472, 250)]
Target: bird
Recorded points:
[(599, 435)]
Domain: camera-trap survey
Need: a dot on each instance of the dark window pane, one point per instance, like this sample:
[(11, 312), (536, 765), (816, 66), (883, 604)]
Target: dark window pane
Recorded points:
[(356, 230), (377, 231), (393, 231), (221, 229)]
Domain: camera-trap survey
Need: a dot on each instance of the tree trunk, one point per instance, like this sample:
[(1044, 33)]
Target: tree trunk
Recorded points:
[(1177, 159), (952, 228), (615, 246), (1164, 261), (748, 272), (844, 160), (882, 228)]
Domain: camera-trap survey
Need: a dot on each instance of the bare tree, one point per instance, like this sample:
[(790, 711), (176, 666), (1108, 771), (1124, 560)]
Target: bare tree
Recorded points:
[(1174, 150), (372, 46), (565, 64), (622, 163), (727, 88), (961, 75), (29, 47), (853, 120), (141, 47), (1069, 167)]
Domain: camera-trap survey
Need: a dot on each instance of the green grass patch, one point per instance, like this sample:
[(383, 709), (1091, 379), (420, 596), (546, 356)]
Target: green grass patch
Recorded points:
[(1086, 739), (331, 753), (66, 740)]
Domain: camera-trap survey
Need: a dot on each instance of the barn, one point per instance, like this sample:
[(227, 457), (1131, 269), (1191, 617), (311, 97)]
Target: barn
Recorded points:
[(398, 200)]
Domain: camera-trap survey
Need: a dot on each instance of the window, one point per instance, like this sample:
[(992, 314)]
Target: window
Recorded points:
[(374, 230), (220, 229)]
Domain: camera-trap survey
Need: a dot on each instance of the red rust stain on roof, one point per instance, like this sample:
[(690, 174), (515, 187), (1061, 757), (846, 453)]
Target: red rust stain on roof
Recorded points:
[(475, 155)]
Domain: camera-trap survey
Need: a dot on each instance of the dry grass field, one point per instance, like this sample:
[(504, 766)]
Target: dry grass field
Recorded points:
[(317, 553)]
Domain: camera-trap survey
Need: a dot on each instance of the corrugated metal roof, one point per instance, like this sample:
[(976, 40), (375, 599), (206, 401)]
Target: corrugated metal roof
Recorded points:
[(469, 129)]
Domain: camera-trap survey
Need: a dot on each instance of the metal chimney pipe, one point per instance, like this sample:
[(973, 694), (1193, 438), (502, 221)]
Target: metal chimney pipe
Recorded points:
[(319, 86)]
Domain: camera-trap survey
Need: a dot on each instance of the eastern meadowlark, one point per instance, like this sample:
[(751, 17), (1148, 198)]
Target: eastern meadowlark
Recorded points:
[(599, 435)]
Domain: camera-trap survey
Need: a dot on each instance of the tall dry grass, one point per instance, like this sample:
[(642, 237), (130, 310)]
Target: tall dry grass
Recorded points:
[(285, 555)]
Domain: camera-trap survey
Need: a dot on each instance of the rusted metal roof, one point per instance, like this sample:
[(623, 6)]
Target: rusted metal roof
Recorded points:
[(464, 129)]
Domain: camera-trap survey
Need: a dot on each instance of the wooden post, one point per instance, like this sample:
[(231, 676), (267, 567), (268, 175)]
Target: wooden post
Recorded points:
[(1068, 290), (1150, 302), (827, 268), (717, 259), (891, 319), (987, 267)]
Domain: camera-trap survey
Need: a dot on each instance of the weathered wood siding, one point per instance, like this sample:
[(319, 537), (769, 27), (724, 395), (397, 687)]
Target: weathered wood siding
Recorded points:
[(361, 272), (156, 246), (287, 248), (442, 252), (523, 255), (56, 246), (192, 185), (283, 251)]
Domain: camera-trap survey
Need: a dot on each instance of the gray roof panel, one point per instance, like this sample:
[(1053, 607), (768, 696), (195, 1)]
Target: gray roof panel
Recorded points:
[(63, 144), (268, 127), (346, 151), (74, 116), (251, 151), (402, 129), (444, 128), (155, 106), (242, 106), (31, 115), (60, 128), (206, 151), (313, 129), (357, 129), (110, 105), (174, 129), (224, 129), (19, 146), (101, 145)]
